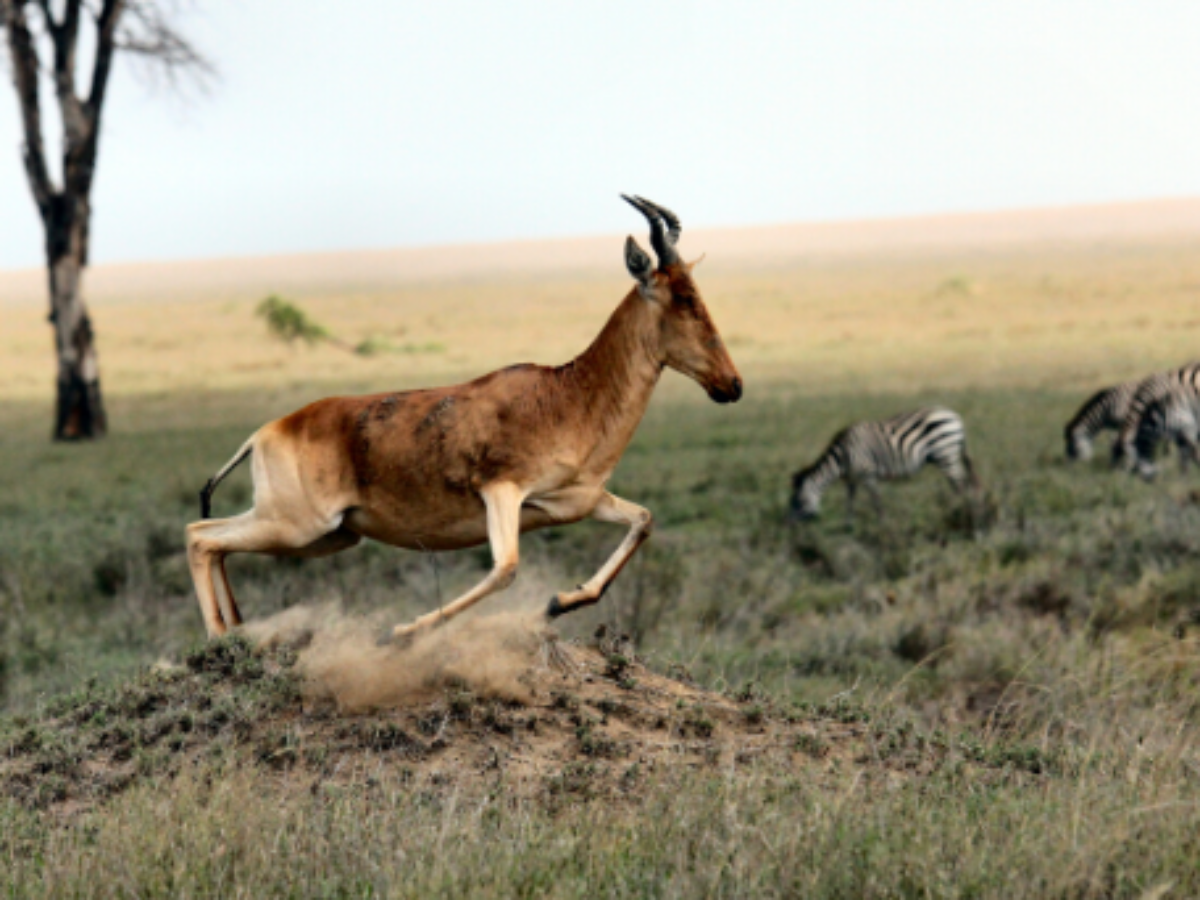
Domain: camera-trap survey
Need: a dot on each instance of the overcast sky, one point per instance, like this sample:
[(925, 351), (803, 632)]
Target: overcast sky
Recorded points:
[(388, 122)]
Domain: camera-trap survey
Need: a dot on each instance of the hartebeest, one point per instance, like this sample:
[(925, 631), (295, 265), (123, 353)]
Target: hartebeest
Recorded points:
[(522, 448)]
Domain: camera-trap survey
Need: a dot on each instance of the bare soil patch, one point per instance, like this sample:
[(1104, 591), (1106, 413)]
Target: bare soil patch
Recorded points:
[(566, 720)]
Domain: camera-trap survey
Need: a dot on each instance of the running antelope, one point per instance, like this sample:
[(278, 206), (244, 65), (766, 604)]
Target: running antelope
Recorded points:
[(522, 448)]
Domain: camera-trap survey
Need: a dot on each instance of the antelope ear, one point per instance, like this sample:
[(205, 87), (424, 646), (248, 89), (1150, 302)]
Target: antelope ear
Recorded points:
[(638, 262), (695, 262)]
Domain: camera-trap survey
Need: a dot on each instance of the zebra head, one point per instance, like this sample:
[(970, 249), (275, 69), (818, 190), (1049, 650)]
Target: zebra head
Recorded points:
[(805, 500), (1079, 445)]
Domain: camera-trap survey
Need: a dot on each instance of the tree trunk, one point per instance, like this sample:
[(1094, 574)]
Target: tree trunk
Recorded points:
[(140, 28), (80, 409)]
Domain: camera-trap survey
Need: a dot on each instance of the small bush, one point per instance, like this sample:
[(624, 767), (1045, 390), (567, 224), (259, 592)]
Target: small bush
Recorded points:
[(289, 323)]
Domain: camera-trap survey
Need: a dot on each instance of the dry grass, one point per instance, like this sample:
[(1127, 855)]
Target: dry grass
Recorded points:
[(1015, 711), (1029, 300)]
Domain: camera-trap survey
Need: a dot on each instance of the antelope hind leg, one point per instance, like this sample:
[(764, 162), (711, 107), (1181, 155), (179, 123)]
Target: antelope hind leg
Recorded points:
[(201, 562), (621, 512), (229, 608), (209, 541)]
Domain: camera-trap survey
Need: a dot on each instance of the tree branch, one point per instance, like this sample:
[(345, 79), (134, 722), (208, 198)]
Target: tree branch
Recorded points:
[(25, 76), (83, 139), (65, 36), (106, 30), (146, 33), (44, 6), (139, 27)]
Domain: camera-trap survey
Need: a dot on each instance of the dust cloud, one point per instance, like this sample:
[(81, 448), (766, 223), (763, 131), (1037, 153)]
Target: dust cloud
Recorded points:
[(344, 660)]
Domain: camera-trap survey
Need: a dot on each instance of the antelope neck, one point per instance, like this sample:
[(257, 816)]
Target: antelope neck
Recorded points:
[(612, 380)]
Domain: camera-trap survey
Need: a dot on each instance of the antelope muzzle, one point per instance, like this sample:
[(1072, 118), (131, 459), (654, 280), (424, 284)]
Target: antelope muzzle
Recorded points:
[(727, 390)]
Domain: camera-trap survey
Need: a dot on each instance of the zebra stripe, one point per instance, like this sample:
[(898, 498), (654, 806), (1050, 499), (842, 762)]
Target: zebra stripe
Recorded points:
[(1175, 417), (1104, 410), (1162, 406), (898, 447)]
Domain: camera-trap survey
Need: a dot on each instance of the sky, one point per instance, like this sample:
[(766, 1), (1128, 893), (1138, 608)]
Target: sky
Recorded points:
[(390, 123)]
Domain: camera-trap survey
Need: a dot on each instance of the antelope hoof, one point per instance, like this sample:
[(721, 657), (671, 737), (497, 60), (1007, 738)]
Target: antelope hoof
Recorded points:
[(406, 635), (555, 609)]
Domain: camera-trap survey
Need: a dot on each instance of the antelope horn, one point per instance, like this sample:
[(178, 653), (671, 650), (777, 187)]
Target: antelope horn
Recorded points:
[(674, 229), (662, 239)]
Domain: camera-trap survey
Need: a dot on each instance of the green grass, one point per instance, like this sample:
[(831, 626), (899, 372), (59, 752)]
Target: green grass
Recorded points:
[(759, 832), (1030, 689)]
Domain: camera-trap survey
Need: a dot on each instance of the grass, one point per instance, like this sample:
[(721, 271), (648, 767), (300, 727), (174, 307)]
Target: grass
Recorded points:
[(1022, 699), (759, 832), (1013, 314)]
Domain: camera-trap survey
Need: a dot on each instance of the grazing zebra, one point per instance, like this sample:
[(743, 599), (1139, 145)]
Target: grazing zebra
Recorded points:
[(898, 447), (1163, 406), (1170, 418), (1104, 410)]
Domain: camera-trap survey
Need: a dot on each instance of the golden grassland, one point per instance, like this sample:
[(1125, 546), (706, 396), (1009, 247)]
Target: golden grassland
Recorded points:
[(1060, 298)]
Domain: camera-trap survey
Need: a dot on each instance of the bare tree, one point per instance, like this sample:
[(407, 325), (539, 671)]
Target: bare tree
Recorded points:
[(142, 29)]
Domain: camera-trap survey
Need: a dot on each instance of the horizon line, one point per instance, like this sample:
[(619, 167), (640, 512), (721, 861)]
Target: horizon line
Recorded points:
[(928, 216)]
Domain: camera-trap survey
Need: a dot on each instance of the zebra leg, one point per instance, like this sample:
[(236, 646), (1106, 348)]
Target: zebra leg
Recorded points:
[(1117, 454), (876, 499), (1187, 452), (961, 474)]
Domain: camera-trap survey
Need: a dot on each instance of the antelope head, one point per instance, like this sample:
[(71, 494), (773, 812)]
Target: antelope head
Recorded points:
[(686, 339)]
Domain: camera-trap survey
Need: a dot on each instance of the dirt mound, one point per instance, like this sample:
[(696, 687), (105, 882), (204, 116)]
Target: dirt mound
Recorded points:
[(557, 719)]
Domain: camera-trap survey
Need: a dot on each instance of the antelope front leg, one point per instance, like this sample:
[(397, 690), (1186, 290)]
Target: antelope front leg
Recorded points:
[(503, 502), (610, 509)]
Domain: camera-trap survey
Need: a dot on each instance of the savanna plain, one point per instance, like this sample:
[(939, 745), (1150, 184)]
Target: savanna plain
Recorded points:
[(934, 703)]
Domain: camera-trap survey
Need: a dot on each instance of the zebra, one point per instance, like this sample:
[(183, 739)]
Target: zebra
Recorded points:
[(897, 447), (1164, 406), (1104, 410), (1174, 417)]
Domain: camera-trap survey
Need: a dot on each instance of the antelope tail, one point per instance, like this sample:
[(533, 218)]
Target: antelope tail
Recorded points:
[(207, 491)]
